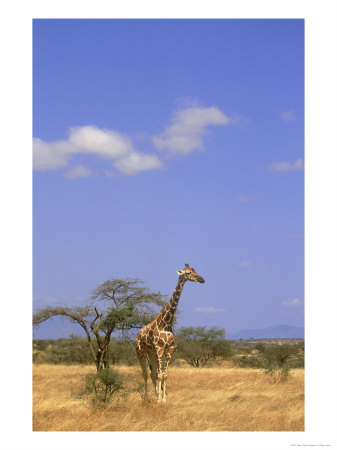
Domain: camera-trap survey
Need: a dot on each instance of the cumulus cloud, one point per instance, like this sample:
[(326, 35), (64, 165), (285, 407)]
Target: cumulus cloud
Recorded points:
[(286, 166), (292, 302), (103, 143), (183, 136), (188, 126), (100, 142), (209, 309), (51, 156), (136, 162)]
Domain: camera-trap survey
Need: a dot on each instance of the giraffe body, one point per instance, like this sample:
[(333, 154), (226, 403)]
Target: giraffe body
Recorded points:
[(155, 341)]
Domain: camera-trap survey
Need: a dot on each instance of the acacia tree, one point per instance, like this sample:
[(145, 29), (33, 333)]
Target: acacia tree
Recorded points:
[(198, 345), (115, 305), (277, 360)]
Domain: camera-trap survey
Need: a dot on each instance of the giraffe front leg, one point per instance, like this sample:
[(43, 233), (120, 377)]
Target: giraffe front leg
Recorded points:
[(163, 386), (159, 384), (159, 377), (153, 369)]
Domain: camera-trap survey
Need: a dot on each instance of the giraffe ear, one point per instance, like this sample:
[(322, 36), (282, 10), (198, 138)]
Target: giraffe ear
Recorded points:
[(179, 272)]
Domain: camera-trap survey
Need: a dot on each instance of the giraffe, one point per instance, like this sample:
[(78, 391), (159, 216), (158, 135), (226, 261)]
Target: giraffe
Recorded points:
[(155, 341)]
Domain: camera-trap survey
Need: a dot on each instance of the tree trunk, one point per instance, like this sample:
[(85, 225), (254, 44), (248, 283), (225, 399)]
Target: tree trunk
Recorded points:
[(101, 360)]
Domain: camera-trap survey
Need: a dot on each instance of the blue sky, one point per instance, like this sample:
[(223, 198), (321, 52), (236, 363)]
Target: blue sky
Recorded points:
[(164, 142)]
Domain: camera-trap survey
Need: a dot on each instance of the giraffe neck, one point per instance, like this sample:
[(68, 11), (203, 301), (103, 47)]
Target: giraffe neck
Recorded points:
[(166, 315)]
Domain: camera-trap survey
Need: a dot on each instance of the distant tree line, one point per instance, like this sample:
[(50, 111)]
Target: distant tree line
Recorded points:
[(272, 358), (197, 346), (75, 350)]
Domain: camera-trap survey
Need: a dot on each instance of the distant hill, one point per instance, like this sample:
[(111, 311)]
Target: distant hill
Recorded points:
[(276, 332)]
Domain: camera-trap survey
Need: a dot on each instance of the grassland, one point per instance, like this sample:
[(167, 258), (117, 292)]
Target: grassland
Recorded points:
[(212, 399)]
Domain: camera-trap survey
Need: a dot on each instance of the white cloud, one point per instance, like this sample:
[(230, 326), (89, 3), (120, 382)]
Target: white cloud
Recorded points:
[(136, 162), (101, 142), (188, 125), (209, 309), (51, 156), (286, 166), (292, 302), (183, 136), (77, 172), (106, 144), (288, 116)]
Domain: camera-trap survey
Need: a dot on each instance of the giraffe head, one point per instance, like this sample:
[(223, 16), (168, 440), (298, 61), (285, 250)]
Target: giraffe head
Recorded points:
[(190, 274)]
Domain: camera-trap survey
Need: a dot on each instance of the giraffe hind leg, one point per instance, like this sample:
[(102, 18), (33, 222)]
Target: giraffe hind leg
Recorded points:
[(168, 356), (159, 374), (153, 369), (141, 355)]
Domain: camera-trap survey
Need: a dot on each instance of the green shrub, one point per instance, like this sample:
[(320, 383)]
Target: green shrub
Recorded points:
[(277, 361), (103, 387), (40, 344), (198, 346), (123, 352), (247, 361), (74, 350)]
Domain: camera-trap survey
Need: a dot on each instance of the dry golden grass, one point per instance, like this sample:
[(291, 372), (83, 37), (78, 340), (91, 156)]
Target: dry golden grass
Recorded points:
[(213, 399)]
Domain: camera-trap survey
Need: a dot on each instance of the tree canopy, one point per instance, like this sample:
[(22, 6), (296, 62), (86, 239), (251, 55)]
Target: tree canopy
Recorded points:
[(198, 345), (115, 305)]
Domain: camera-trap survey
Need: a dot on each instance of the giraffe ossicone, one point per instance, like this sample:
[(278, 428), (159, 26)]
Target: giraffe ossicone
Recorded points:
[(155, 341)]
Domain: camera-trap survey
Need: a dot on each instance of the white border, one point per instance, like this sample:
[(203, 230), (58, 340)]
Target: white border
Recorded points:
[(321, 224)]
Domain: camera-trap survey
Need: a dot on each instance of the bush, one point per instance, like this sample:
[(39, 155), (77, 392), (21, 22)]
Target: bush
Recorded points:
[(198, 345), (41, 344), (74, 350), (278, 361), (123, 352), (247, 361), (103, 387)]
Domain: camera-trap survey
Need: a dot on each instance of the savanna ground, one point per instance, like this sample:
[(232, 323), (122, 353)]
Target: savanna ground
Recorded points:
[(198, 399)]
